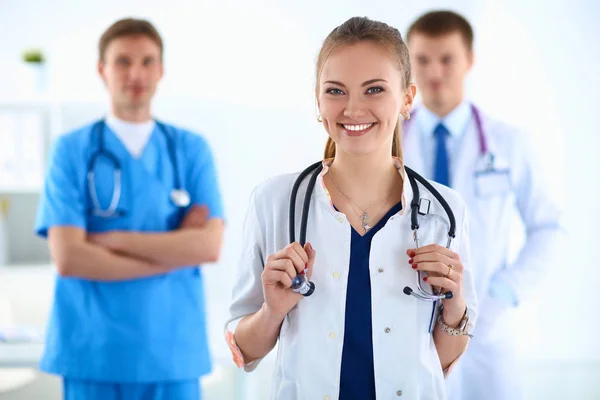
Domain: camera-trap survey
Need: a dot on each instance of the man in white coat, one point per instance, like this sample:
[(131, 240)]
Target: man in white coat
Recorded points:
[(491, 165)]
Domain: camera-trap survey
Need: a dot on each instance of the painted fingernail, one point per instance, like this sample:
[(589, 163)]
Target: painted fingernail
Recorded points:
[(410, 261), (414, 266), (425, 279)]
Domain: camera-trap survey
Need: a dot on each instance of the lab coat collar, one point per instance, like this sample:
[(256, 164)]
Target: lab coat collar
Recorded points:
[(456, 121)]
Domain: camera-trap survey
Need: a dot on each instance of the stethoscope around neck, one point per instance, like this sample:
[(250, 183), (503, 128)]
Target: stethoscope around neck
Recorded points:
[(301, 284), (179, 196)]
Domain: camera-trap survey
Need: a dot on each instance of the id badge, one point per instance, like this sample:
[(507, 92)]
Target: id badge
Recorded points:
[(492, 182)]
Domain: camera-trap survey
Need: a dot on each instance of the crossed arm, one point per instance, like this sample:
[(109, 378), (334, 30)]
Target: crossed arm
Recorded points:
[(122, 255)]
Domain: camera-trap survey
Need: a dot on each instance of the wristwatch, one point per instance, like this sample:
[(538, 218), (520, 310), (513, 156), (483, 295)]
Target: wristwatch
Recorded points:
[(463, 326)]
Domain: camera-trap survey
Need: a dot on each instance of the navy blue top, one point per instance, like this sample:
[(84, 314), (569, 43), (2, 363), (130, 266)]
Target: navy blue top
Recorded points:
[(357, 380)]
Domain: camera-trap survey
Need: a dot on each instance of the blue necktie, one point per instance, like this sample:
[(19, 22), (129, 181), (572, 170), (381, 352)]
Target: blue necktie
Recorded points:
[(441, 173)]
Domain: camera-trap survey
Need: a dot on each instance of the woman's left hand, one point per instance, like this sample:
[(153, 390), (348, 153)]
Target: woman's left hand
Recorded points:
[(444, 270)]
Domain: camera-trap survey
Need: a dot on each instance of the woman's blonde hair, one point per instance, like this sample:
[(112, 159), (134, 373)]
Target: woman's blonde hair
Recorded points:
[(362, 29)]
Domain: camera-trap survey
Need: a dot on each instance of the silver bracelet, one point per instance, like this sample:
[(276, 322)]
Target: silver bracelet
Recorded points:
[(462, 326)]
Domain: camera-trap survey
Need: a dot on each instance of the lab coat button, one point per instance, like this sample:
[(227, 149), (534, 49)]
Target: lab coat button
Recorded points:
[(332, 335), (326, 397), (399, 393), (387, 330), (380, 269), (336, 275), (340, 219)]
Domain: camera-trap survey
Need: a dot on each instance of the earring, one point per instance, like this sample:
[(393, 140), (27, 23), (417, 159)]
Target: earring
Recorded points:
[(320, 118), (406, 116)]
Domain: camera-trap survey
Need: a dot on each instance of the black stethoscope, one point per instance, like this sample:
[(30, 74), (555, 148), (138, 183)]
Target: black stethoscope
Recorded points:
[(302, 285), (179, 196)]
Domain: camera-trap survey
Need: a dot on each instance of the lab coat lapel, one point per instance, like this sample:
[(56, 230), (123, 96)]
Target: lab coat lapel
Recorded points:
[(412, 150), (464, 161)]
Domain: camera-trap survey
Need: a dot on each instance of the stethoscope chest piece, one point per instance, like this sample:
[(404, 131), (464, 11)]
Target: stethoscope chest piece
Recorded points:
[(301, 284), (180, 197)]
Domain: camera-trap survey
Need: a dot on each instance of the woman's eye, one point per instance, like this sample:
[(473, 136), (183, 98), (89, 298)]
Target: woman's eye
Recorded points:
[(334, 91), (375, 90)]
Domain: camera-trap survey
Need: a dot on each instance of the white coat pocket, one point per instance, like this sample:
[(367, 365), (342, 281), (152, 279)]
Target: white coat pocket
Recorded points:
[(494, 182)]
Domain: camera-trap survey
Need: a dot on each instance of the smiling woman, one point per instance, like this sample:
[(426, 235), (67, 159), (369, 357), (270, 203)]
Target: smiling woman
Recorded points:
[(376, 89), (352, 106), (360, 108), (376, 341)]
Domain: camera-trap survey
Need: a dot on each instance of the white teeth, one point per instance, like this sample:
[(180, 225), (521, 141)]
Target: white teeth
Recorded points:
[(356, 128)]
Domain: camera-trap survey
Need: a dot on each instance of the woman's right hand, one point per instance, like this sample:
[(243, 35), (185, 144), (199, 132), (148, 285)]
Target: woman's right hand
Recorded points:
[(277, 277)]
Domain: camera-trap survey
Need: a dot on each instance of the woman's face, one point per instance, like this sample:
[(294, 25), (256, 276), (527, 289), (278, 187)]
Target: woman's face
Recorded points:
[(361, 97)]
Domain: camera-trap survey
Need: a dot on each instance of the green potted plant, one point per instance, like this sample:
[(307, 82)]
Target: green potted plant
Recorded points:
[(35, 68), (34, 56)]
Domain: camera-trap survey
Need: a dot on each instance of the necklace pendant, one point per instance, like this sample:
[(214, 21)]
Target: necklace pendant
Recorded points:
[(365, 225)]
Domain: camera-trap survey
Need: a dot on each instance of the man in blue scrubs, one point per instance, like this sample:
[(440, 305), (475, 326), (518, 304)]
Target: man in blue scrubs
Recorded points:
[(128, 319)]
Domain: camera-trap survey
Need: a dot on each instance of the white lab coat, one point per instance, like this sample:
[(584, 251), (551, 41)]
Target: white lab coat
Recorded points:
[(311, 337), (488, 369)]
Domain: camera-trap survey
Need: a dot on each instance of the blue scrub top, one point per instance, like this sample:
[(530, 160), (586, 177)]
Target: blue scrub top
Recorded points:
[(357, 376), (141, 330)]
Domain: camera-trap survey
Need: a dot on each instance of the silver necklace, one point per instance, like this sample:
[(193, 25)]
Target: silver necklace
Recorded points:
[(364, 216)]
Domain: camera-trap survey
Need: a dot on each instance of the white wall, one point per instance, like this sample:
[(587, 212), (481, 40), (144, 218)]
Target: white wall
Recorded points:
[(242, 73)]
